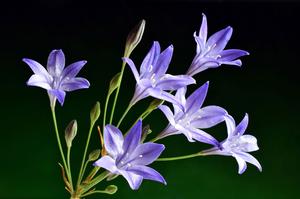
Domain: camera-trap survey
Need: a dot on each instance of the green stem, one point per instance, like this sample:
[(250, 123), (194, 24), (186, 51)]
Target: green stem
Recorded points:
[(95, 181), (117, 92), (59, 144), (181, 157), (105, 109), (84, 154), (69, 165), (124, 114)]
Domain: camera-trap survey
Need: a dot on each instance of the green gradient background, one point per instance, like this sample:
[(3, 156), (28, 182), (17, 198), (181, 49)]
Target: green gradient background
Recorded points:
[(267, 87)]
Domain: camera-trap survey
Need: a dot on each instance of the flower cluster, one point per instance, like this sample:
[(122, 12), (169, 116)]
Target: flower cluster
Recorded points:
[(129, 154)]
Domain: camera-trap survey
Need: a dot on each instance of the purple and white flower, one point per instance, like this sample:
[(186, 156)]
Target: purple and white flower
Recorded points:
[(211, 53), (57, 79), (193, 117), (237, 144), (129, 157), (152, 80)]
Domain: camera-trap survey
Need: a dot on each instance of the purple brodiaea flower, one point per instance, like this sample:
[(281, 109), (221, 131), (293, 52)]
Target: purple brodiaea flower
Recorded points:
[(57, 79), (152, 80), (128, 156), (237, 144), (194, 117), (211, 53)]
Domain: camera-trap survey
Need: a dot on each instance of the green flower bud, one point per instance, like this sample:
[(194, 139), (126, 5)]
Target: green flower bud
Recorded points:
[(95, 112), (114, 83), (134, 37), (146, 130), (70, 132), (94, 155), (154, 104), (111, 189)]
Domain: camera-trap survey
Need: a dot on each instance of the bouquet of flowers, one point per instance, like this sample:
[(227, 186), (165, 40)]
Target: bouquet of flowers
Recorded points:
[(128, 153)]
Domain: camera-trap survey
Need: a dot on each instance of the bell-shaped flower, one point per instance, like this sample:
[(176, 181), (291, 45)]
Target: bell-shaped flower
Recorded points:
[(57, 80), (237, 144), (193, 117), (210, 53), (152, 80), (129, 157)]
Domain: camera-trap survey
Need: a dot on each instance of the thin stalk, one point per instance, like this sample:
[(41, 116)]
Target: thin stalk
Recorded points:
[(117, 92), (124, 114), (105, 108), (181, 157), (84, 154), (59, 144), (69, 165), (95, 181)]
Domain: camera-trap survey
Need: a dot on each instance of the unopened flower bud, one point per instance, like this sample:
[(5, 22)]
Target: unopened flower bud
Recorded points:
[(70, 132), (154, 104), (146, 130), (94, 155), (134, 37), (114, 83), (111, 189), (95, 112)]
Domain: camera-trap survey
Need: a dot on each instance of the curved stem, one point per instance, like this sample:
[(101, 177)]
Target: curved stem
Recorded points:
[(124, 114), (117, 92), (181, 157), (84, 154), (59, 144)]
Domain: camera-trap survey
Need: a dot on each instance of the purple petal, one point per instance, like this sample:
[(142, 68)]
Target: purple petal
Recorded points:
[(196, 99), (168, 113), (180, 96), (209, 116), (59, 94), (133, 68), (200, 64), (56, 62), (230, 124), (37, 68), (242, 126), (231, 54), (249, 158), (113, 140), (73, 69), (75, 84), (147, 173), (150, 60), (169, 130), (39, 81), (217, 42), (163, 61), (202, 136), (139, 94), (133, 138), (172, 82), (236, 62), (242, 163), (248, 143), (201, 38), (147, 153), (107, 163), (133, 180), (163, 95)]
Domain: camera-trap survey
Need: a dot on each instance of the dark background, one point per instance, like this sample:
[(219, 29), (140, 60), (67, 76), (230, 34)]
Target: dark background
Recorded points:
[(266, 87)]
